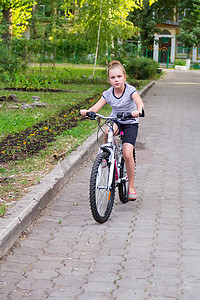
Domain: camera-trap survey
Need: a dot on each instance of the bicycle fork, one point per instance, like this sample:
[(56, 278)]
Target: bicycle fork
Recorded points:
[(112, 162)]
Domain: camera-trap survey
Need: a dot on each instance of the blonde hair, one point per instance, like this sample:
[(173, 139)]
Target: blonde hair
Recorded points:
[(116, 64)]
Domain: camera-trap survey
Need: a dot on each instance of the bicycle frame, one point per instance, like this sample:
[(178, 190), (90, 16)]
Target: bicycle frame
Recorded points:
[(115, 154)]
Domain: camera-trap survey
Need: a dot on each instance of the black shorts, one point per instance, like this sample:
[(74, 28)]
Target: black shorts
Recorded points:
[(130, 132)]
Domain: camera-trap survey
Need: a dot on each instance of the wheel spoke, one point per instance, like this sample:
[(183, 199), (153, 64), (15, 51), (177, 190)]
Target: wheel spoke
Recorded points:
[(102, 189), (101, 197)]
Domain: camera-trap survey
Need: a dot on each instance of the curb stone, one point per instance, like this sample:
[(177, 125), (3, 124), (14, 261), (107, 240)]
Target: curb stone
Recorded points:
[(19, 217), (145, 89)]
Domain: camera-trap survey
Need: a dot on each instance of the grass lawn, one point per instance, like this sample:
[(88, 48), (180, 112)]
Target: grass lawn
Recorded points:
[(66, 70), (46, 76), (15, 120), (17, 177)]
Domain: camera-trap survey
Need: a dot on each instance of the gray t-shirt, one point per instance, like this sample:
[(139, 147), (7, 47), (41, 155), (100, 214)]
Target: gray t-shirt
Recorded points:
[(124, 103)]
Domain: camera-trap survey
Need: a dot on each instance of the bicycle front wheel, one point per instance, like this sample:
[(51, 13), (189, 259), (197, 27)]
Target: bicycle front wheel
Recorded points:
[(101, 196)]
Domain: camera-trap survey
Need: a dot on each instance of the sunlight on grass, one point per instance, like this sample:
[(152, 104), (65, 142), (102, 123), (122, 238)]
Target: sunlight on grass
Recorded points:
[(15, 120)]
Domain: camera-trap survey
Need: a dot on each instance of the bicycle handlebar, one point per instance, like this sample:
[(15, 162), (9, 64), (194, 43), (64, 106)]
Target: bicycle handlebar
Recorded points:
[(123, 115)]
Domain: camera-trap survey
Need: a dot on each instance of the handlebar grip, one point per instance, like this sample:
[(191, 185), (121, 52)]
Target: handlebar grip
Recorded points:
[(127, 115), (142, 114), (91, 114), (124, 115), (119, 115)]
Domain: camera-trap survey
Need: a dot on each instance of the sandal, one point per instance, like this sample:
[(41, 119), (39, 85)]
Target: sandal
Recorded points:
[(132, 196)]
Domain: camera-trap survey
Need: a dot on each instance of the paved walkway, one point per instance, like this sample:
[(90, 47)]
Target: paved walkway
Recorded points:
[(149, 249)]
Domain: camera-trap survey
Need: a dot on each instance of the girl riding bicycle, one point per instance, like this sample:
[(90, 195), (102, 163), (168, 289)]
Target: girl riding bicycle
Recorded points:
[(123, 98)]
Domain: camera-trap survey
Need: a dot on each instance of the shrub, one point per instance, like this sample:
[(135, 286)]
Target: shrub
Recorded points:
[(10, 61), (19, 47), (123, 52), (179, 62), (196, 66), (141, 67)]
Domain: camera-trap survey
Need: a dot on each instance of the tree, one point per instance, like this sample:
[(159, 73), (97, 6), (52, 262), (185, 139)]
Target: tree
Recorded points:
[(49, 25), (161, 11), (14, 17), (149, 15), (190, 23), (104, 22), (113, 17)]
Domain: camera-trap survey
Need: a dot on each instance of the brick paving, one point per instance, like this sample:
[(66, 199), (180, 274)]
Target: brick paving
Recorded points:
[(150, 248)]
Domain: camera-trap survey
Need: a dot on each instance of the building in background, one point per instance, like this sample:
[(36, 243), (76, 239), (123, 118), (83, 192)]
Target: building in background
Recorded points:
[(167, 48)]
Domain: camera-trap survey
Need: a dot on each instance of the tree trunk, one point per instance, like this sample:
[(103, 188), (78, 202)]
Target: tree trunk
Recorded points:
[(97, 48), (98, 39), (107, 54), (7, 16), (54, 55), (54, 9), (33, 29)]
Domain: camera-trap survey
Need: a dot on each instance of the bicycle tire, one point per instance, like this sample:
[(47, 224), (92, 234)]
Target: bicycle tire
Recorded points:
[(123, 186), (134, 156), (101, 198)]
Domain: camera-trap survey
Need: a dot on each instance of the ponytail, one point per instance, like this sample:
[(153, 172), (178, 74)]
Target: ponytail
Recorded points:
[(116, 64)]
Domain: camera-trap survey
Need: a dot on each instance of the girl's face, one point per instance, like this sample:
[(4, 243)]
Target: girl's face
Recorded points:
[(117, 78)]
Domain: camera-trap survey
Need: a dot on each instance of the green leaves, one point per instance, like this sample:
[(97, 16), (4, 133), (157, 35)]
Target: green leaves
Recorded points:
[(190, 24), (21, 13), (113, 17)]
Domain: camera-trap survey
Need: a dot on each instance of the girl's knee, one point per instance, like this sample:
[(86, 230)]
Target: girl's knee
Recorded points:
[(128, 154)]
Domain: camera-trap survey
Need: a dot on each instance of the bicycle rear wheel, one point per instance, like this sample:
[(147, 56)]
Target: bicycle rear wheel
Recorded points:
[(123, 186), (101, 197)]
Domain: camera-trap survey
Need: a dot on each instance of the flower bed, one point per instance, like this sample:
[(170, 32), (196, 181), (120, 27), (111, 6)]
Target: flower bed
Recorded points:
[(32, 140)]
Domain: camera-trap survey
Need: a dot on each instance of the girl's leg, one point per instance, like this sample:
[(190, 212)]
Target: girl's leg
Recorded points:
[(130, 165), (116, 131)]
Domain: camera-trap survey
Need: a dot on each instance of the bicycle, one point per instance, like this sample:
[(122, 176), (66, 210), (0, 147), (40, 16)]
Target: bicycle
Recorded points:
[(108, 171)]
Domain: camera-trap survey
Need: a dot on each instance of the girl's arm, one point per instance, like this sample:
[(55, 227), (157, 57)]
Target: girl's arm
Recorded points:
[(140, 104), (95, 108)]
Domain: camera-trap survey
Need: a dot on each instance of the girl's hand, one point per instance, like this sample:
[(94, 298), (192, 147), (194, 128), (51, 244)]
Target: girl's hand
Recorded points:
[(83, 112), (135, 113)]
